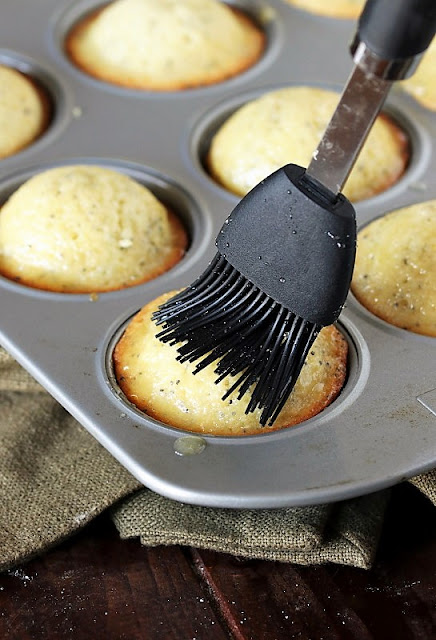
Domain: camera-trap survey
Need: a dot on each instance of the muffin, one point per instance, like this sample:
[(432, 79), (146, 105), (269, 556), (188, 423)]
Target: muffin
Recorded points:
[(422, 84), (165, 46), (152, 379), (395, 271), (82, 228), (24, 111), (332, 8), (285, 126)]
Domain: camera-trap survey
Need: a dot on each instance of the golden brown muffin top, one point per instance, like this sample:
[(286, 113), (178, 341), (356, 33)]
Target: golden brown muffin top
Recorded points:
[(152, 379), (81, 228), (167, 45), (285, 126), (395, 270), (24, 111), (332, 8)]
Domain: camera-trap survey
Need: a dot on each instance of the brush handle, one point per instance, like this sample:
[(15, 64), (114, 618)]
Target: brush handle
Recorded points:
[(391, 36), (343, 139), (397, 29)]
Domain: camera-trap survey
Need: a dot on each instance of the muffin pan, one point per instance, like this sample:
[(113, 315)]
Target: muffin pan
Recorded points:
[(380, 430)]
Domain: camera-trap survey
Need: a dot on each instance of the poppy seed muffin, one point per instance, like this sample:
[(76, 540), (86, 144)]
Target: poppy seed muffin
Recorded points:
[(82, 228), (167, 45), (152, 379), (395, 270), (332, 8), (422, 84), (285, 126), (24, 111)]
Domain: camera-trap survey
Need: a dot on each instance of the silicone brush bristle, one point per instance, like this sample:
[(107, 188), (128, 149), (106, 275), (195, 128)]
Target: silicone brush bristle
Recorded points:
[(223, 318)]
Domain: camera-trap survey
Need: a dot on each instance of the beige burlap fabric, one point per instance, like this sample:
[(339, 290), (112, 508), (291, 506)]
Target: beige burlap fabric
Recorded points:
[(54, 478), (427, 484), (345, 533)]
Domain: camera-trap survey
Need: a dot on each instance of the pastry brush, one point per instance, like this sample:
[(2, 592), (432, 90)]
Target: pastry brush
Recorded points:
[(286, 252)]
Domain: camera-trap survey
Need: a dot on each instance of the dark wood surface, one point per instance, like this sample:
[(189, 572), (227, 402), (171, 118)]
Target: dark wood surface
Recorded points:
[(97, 586)]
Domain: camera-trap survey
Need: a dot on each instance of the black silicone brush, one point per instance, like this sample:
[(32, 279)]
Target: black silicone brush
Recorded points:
[(286, 253)]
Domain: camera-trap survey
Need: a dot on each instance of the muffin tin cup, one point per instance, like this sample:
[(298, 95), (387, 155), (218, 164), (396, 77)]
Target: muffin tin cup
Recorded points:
[(380, 429), (419, 141), (69, 14), (59, 98)]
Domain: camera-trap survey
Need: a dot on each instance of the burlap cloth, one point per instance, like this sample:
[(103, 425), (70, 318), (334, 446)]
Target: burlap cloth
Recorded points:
[(54, 478)]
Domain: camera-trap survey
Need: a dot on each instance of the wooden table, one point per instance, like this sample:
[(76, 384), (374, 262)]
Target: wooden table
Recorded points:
[(97, 586)]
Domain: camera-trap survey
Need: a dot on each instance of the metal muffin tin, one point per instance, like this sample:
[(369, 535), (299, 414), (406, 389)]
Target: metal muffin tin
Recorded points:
[(380, 430)]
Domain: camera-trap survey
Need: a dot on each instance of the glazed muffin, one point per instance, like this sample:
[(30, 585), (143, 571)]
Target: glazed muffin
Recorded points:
[(167, 45), (24, 111), (82, 228), (395, 271), (153, 380), (332, 8), (285, 126), (422, 84)]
